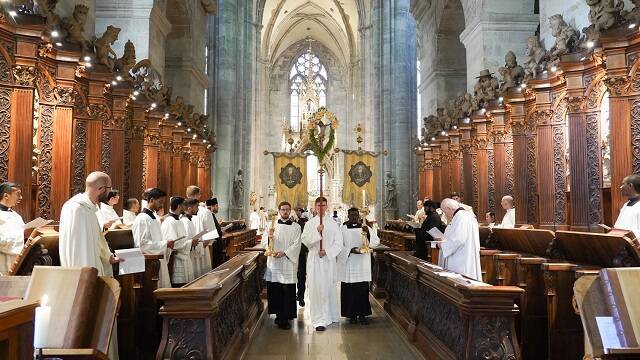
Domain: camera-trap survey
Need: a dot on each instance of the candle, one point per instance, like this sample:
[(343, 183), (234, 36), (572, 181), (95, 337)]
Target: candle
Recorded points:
[(41, 328), (364, 199)]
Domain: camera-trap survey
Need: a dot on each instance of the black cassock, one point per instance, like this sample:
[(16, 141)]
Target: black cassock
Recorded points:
[(432, 220), (354, 299), (218, 246), (281, 300)]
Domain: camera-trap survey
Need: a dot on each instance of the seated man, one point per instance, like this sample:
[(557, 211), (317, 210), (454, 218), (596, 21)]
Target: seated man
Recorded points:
[(460, 248), (509, 219)]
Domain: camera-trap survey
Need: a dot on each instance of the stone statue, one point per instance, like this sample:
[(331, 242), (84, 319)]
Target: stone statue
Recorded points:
[(464, 102), (74, 27), (390, 192), (536, 58), (567, 38), (46, 9), (633, 16), (512, 73), (454, 111), (104, 53), (238, 189), (148, 82), (128, 60), (199, 121), (432, 125), (603, 15), (486, 89), (443, 119)]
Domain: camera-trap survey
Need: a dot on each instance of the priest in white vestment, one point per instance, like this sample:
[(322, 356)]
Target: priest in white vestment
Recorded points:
[(189, 219), (509, 219), (107, 215), (355, 268), (460, 248), (131, 210), (254, 221), (321, 266), (282, 268), (12, 232), (172, 230), (147, 234), (629, 217), (455, 196)]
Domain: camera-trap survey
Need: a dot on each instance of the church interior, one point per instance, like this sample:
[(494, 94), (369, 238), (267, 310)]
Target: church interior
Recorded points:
[(159, 160)]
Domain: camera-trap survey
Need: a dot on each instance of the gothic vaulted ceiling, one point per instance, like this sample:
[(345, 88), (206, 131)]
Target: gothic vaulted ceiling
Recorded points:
[(334, 23)]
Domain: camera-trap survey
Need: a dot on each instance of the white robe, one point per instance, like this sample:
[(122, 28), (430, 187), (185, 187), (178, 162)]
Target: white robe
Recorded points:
[(355, 268), (197, 253), (321, 272), (81, 242), (629, 218), (11, 239), (286, 238), (254, 221), (128, 217), (147, 236), (172, 229), (460, 250), (105, 214), (468, 208), (204, 221), (509, 220)]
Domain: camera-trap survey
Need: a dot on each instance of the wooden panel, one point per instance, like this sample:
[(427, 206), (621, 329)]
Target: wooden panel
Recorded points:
[(467, 173), (151, 169), (483, 182), (164, 172), (117, 165), (437, 189), (456, 175), (499, 166), (428, 182), (136, 187), (578, 165), (61, 161), (177, 181), (546, 185), (445, 179), (621, 149), (93, 159), (520, 177), (20, 145)]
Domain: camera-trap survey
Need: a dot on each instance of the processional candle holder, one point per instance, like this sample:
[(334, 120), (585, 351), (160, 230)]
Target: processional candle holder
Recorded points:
[(364, 235), (271, 216)]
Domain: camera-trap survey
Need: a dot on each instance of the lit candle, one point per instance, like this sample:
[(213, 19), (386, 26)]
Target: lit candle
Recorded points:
[(364, 199), (41, 327)]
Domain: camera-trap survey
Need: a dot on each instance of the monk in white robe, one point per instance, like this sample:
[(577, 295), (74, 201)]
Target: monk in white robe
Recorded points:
[(130, 211), (147, 234), (189, 219), (282, 268), (322, 274), (173, 229), (355, 269), (455, 196), (629, 217), (203, 221), (509, 219), (12, 232), (107, 215), (460, 248)]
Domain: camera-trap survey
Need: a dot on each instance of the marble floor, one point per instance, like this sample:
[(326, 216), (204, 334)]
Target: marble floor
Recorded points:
[(380, 340)]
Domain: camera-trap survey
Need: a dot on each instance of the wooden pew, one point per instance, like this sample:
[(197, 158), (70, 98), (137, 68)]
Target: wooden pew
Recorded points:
[(379, 270), (397, 234), (16, 329), (41, 249), (451, 318), (215, 315)]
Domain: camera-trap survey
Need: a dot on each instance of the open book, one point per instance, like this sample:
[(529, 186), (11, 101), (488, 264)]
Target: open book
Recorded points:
[(37, 223)]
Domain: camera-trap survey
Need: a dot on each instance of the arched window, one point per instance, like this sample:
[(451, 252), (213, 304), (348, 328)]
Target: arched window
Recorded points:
[(306, 70)]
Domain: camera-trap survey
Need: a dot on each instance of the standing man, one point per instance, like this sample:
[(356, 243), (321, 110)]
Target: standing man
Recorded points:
[(12, 231), (355, 269), (321, 266), (432, 219), (131, 210), (147, 234), (218, 244), (419, 216), (460, 248), (302, 260), (197, 250), (172, 230), (455, 196), (509, 219), (282, 268), (629, 217), (107, 215), (203, 221)]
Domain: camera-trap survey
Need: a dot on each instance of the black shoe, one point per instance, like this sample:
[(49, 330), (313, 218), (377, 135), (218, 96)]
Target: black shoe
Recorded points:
[(301, 303), (364, 321), (320, 328), (284, 325), (353, 320)]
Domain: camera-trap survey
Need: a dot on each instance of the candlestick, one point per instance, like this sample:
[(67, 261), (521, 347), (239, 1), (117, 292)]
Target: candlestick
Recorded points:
[(364, 199), (41, 326)]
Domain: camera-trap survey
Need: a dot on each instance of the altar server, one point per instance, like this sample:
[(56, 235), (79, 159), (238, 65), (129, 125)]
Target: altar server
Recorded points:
[(321, 266), (131, 210), (460, 249), (173, 229), (107, 216), (147, 233), (629, 218), (282, 268), (509, 219), (81, 242), (12, 232), (355, 268), (189, 219), (203, 221)]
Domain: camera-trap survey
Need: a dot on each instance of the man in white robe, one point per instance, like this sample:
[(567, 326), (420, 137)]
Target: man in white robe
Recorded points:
[(12, 231), (189, 220), (107, 215), (282, 268), (254, 220), (172, 230), (455, 196), (509, 219), (355, 268), (147, 234), (460, 248), (629, 217), (324, 242), (203, 221), (131, 210)]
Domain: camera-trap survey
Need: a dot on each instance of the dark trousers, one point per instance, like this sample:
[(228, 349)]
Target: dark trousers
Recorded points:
[(302, 272), (354, 299), (281, 300)]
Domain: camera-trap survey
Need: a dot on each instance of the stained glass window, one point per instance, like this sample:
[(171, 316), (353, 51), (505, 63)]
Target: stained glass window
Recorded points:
[(298, 85)]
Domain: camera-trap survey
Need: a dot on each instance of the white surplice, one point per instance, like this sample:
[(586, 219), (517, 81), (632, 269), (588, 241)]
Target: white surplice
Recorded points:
[(147, 236), (286, 238), (128, 217), (173, 229), (509, 220), (460, 250), (81, 242), (322, 272), (197, 253), (629, 218), (352, 267), (107, 213), (204, 221), (11, 239), (254, 221)]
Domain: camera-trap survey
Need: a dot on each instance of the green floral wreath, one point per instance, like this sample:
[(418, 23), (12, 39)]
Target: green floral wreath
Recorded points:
[(320, 151)]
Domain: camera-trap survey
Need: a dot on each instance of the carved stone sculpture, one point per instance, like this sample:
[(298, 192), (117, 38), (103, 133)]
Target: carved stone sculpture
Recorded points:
[(104, 53), (390, 192), (567, 38), (238, 189), (454, 111), (444, 120), (512, 73), (431, 125), (633, 16), (46, 9), (149, 83), (486, 89), (536, 58), (603, 15), (74, 27), (128, 60), (465, 103)]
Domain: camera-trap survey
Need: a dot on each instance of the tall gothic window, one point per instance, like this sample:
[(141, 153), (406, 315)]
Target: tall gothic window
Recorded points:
[(306, 70), (419, 101)]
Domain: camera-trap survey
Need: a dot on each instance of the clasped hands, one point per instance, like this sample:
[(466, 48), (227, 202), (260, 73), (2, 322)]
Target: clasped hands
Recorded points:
[(320, 228)]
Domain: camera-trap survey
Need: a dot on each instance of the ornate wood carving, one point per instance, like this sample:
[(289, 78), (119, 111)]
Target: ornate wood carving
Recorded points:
[(5, 126), (25, 75), (559, 173), (44, 175), (618, 85), (491, 179), (229, 320), (79, 150), (5, 70), (576, 104), (509, 185), (492, 338), (594, 170), (474, 172), (635, 135), (145, 161), (100, 112), (65, 96), (532, 181), (186, 339), (106, 151), (127, 166)]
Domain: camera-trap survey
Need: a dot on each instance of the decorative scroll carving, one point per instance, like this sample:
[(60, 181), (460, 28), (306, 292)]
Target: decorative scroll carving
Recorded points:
[(593, 166), (593, 100), (228, 321), (151, 139), (136, 132), (202, 162), (576, 103), (100, 112), (560, 200), (79, 151), (618, 85), (115, 122), (46, 141), (106, 151), (5, 125), (491, 171), (635, 135), (509, 171), (145, 163), (166, 145), (46, 89), (532, 182), (65, 96), (25, 75), (492, 338), (474, 172), (539, 117), (127, 166), (251, 291), (5, 70), (186, 339)]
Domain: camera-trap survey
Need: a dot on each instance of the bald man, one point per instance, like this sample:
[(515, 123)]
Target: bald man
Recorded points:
[(509, 219), (81, 240)]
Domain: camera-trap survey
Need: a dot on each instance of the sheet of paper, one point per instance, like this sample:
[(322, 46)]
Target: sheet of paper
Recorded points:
[(210, 235), (436, 233), (450, 275), (133, 261), (2, 222), (180, 242), (608, 332), (199, 235), (36, 223), (225, 228)]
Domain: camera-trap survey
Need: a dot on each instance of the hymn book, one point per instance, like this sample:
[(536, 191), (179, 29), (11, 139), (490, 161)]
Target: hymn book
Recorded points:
[(621, 287), (37, 223)]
